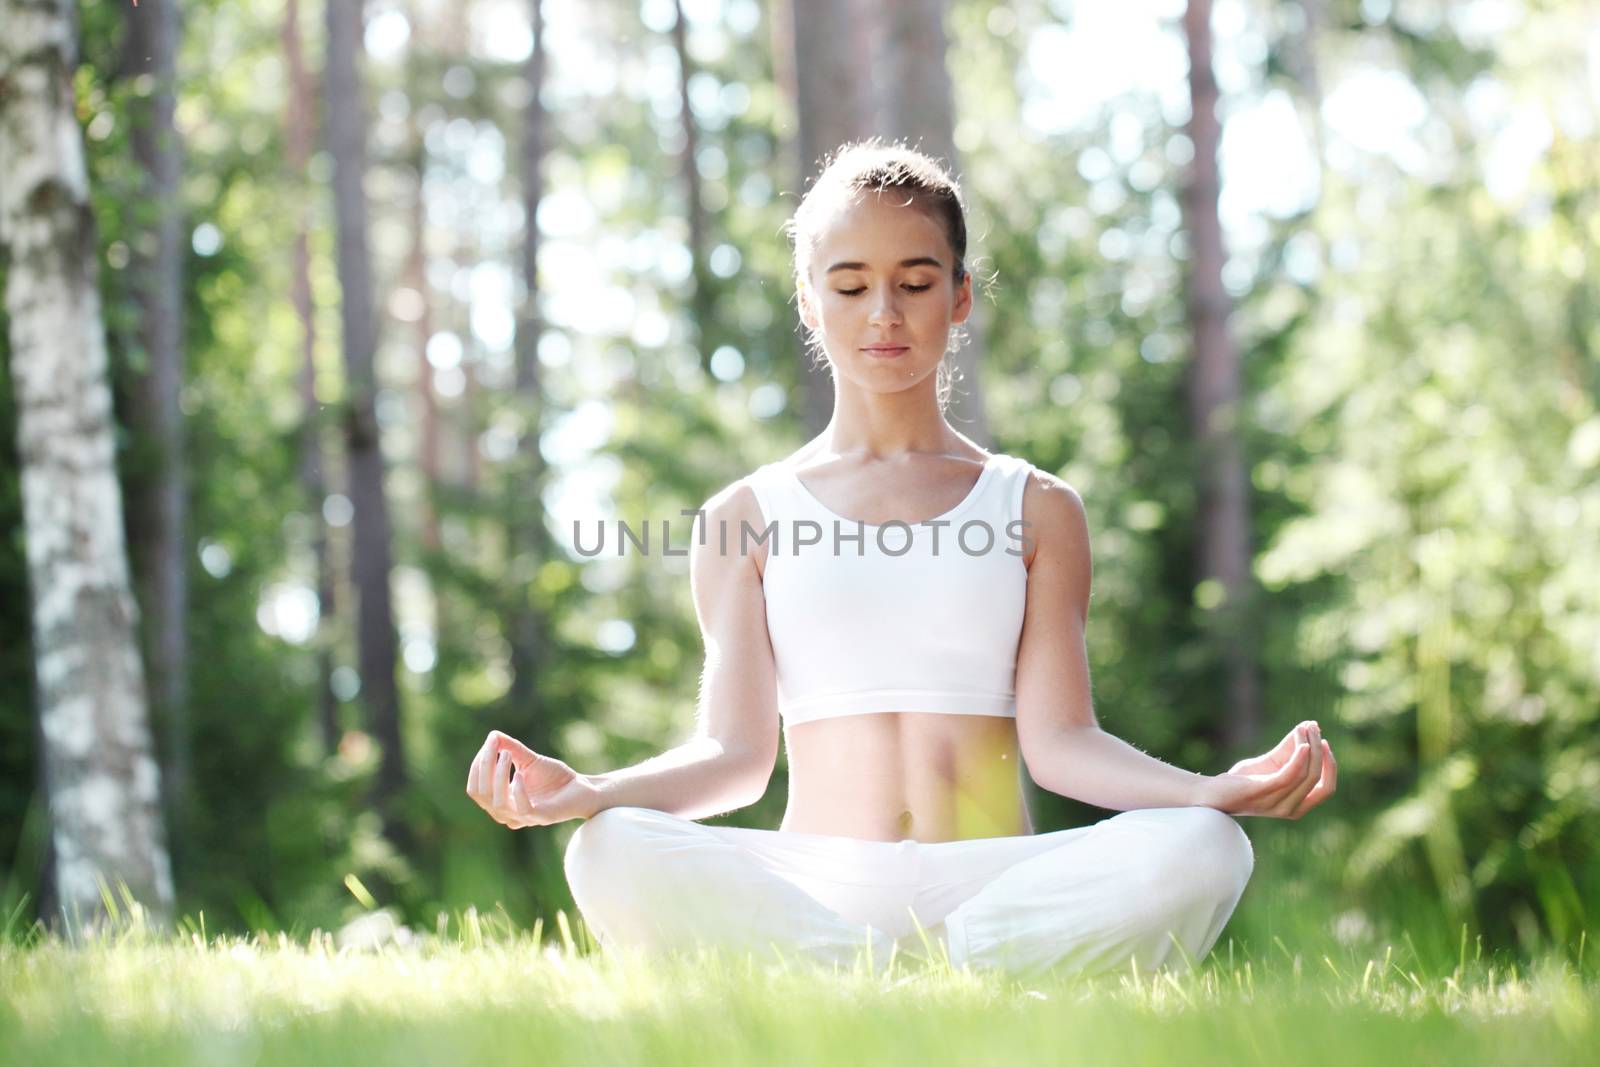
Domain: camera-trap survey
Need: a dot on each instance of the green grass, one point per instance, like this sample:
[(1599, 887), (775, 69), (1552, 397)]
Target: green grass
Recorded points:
[(475, 987)]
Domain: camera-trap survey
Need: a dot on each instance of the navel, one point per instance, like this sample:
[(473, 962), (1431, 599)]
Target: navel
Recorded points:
[(903, 822)]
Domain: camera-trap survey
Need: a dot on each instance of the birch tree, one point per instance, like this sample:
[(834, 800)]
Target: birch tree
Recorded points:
[(101, 778)]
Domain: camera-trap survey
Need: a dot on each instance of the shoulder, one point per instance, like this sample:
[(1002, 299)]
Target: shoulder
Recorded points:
[(734, 507), (736, 500), (1054, 518)]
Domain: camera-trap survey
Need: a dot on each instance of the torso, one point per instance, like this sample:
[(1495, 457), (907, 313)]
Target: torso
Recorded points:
[(897, 775), (910, 774)]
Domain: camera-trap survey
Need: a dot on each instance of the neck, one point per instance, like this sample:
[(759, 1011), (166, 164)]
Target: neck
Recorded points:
[(880, 425)]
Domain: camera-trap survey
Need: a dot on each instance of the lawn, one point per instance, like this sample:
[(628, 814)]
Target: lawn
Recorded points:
[(476, 987)]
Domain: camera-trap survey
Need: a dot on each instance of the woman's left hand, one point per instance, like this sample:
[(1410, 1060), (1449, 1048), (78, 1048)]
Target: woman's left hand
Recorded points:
[(1297, 775), (519, 787)]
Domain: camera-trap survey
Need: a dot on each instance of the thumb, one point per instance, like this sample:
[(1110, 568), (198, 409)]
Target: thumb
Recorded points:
[(521, 754), (1285, 748)]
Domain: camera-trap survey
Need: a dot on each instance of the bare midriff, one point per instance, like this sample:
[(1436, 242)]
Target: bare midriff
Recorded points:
[(915, 775), (904, 775)]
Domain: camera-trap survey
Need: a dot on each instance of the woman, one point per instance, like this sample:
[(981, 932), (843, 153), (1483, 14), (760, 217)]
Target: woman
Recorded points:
[(913, 608)]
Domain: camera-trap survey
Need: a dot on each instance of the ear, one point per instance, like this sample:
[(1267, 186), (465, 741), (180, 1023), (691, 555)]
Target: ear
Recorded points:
[(963, 301), (808, 308)]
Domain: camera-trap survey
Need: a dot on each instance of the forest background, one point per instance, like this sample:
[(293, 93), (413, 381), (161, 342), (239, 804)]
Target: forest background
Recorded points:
[(1388, 522)]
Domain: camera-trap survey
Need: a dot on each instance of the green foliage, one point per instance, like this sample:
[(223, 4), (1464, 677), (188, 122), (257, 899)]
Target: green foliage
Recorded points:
[(1460, 516)]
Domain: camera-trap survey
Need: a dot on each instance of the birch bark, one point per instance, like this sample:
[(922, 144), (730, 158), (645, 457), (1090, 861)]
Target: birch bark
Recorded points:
[(101, 778)]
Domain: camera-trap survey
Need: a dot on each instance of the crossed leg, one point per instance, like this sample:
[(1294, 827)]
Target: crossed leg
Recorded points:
[(652, 881), (1082, 900), (1130, 887)]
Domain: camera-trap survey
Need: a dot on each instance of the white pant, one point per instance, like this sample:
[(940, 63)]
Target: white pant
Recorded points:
[(1083, 900)]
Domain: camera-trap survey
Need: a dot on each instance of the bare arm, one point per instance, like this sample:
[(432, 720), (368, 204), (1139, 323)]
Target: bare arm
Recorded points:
[(1063, 745), (729, 760)]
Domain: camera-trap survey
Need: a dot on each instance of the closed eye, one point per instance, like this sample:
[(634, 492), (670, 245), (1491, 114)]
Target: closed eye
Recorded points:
[(861, 289)]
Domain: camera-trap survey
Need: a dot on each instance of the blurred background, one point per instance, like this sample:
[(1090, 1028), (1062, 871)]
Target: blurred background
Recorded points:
[(1301, 297)]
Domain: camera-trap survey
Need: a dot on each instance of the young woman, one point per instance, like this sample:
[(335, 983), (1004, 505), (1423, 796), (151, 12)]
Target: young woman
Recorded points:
[(913, 608)]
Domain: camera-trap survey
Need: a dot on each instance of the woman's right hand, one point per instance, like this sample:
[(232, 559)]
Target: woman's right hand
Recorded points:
[(518, 787), (1297, 775)]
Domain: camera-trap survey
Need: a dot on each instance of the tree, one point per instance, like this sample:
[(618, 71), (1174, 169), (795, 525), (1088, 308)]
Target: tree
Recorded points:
[(370, 553), (161, 493), (863, 69), (101, 777), (701, 301), (525, 525), (1215, 403), (833, 104), (912, 101), (299, 136)]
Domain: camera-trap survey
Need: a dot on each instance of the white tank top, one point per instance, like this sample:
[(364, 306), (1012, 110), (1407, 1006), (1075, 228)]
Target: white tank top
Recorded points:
[(899, 616)]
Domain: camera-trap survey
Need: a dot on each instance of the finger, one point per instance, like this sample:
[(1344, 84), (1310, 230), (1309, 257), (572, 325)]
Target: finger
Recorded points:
[(515, 812), (485, 781), (1254, 766), (506, 768), (521, 753), (1285, 748), (1313, 771), (476, 780), (1293, 766), (1276, 787), (502, 771), (1325, 784), (1311, 774), (1270, 763)]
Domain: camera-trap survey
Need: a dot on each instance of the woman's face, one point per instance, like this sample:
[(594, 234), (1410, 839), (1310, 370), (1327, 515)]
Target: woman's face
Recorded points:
[(881, 293)]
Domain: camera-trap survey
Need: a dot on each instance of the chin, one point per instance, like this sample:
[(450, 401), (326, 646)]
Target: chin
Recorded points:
[(902, 366), (876, 384)]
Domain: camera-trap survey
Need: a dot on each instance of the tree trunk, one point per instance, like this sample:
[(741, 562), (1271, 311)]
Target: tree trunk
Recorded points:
[(528, 541), (1215, 404), (833, 104), (101, 776), (416, 275), (299, 136), (700, 302), (161, 501), (913, 101), (370, 553)]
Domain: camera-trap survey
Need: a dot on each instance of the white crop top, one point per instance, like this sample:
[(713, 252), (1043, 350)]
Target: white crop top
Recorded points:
[(900, 616)]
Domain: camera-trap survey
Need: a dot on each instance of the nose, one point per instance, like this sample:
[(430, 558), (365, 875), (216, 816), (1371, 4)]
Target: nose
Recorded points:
[(885, 311)]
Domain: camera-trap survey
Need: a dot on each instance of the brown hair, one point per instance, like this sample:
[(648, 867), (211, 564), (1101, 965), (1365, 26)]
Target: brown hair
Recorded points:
[(873, 166)]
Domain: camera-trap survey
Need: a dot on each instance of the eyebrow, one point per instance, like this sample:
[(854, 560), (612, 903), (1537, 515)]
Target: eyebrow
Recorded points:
[(915, 261)]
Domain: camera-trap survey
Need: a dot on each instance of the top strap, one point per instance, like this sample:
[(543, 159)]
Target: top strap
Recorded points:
[(770, 487)]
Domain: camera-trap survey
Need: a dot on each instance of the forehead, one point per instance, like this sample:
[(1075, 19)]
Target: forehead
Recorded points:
[(880, 226)]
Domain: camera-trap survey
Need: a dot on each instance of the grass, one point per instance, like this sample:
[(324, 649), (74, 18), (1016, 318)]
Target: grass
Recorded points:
[(477, 987)]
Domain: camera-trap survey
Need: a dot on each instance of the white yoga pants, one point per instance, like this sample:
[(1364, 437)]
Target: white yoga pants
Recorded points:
[(1113, 895)]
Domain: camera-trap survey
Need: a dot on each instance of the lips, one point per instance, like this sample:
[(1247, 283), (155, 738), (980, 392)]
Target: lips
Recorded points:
[(886, 351)]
